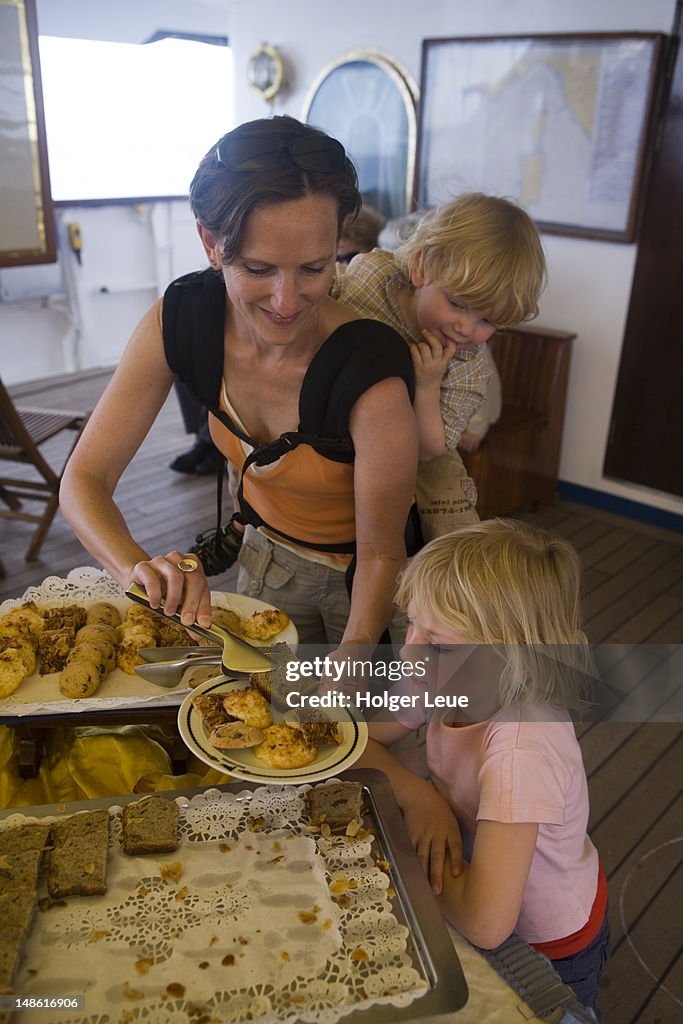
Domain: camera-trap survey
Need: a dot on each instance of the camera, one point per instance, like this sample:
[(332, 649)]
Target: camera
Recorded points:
[(218, 549)]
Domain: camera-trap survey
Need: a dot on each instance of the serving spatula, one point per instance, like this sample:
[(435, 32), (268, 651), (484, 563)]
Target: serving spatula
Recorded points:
[(238, 655), (170, 673)]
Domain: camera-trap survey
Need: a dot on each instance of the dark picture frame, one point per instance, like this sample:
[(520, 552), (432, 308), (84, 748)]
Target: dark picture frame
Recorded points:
[(26, 210), (562, 124)]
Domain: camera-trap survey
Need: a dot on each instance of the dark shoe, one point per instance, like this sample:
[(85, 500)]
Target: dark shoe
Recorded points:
[(202, 458), (208, 465)]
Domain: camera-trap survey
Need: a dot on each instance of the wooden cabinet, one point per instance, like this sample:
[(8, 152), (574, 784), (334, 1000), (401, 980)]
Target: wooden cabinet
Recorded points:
[(517, 463)]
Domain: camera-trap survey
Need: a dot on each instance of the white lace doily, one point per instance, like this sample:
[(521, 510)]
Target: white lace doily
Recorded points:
[(84, 583), (39, 695), (236, 925)]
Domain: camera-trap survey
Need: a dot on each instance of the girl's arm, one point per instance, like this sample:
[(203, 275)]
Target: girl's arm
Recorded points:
[(116, 429), (429, 820), (384, 433), (430, 359), (485, 900)]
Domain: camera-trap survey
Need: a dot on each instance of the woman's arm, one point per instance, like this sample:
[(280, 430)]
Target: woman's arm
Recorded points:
[(384, 433), (116, 429), (429, 820), (485, 900)]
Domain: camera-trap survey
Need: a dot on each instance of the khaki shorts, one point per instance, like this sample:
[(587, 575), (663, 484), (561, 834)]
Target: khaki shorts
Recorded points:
[(445, 495)]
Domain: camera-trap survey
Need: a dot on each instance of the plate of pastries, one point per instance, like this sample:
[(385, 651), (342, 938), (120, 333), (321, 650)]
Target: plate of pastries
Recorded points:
[(244, 728), (72, 650)]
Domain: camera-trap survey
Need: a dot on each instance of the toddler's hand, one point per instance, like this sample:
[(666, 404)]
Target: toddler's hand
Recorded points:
[(430, 359), (469, 442)]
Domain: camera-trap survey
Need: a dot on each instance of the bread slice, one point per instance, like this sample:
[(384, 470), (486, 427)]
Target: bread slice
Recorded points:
[(150, 825), (16, 909), (336, 803), (32, 836), (11, 947), (19, 871), (77, 864), (274, 684)]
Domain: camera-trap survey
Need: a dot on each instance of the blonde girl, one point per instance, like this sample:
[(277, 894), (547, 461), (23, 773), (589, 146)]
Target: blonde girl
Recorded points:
[(494, 608)]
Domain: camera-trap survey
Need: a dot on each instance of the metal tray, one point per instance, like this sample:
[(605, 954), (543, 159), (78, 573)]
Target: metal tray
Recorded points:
[(429, 944)]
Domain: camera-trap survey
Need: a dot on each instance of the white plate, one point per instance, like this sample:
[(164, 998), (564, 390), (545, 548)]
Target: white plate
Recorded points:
[(40, 695), (242, 764)]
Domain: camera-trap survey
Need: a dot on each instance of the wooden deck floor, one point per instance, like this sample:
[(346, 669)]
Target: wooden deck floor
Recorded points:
[(633, 594)]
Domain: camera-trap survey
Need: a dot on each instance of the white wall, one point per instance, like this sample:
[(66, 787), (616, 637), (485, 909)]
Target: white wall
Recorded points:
[(589, 281)]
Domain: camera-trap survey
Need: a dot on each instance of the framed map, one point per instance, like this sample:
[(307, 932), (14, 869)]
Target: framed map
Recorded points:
[(562, 124)]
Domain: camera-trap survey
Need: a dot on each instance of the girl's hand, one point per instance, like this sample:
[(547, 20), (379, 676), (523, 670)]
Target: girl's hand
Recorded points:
[(433, 831), (184, 592), (430, 359)]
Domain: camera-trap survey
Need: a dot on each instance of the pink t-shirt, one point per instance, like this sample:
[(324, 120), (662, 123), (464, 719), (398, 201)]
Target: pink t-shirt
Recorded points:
[(523, 765)]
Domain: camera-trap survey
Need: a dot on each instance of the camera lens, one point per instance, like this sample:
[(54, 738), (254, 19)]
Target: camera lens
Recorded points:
[(218, 550)]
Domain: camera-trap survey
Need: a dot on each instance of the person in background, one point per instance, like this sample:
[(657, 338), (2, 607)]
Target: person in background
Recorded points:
[(500, 826), (203, 457), (465, 269), (359, 233), (269, 200)]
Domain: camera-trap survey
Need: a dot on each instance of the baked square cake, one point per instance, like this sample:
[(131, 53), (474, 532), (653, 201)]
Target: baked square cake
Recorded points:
[(274, 684), (12, 940), (24, 837), (19, 870), (77, 863), (150, 825), (336, 803), (16, 909)]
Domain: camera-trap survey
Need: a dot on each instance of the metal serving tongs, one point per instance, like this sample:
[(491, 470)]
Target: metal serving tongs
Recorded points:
[(238, 655)]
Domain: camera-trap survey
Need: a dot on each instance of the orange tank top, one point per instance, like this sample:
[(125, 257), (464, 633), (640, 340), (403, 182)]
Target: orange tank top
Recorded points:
[(303, 494)]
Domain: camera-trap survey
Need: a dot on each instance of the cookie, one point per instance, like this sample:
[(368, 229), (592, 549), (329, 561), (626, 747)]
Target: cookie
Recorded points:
[(249, 706), (285, 748)]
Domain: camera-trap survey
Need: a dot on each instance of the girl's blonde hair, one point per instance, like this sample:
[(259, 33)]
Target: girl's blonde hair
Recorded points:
[(505, 583), (483, 249)]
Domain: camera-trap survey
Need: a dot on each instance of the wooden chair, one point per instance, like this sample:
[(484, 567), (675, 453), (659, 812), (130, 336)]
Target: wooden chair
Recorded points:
[(517, 463), (22, 430)]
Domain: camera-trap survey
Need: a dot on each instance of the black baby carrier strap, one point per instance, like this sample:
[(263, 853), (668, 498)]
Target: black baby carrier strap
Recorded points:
[(354, 358)]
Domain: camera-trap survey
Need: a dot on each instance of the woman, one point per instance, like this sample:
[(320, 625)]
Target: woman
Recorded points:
[(269, 200)]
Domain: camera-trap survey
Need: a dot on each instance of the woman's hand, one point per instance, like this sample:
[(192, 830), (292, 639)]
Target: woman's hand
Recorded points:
[(184, 592), (434, 832)]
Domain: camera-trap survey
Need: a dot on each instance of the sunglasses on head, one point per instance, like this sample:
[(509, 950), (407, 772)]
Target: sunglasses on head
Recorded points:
[(322, 154)]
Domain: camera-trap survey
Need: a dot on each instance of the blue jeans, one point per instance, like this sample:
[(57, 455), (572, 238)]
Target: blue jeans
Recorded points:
[(582, 971), (313, 595)]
